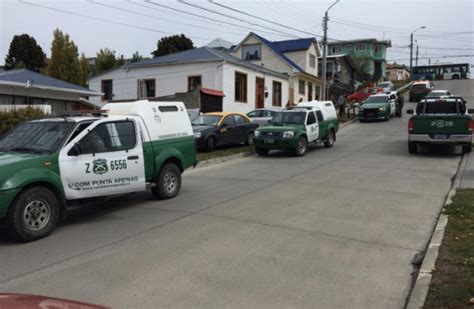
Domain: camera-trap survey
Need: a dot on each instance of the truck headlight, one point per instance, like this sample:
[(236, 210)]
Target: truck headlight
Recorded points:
[(197, 134), (256, 133), (288, 134), (382, 109)]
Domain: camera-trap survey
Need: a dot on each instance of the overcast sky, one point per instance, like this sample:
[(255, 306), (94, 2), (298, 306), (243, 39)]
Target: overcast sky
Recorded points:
[(449, 23)]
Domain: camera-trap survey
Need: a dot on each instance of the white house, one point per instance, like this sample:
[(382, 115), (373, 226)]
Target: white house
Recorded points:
[(245, 86), (297, 58)]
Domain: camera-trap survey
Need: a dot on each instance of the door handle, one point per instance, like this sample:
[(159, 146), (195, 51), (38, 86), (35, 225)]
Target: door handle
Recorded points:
[(133, 158)]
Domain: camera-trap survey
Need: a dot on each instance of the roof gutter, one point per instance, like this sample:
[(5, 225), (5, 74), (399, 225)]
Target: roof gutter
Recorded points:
[(26, 85)]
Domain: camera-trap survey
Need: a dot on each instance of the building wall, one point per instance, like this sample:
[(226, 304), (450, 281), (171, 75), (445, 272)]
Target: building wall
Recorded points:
[(397, 74), (229, 103)]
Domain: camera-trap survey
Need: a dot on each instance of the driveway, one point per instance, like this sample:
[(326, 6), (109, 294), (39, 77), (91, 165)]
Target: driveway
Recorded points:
[(336, 228)]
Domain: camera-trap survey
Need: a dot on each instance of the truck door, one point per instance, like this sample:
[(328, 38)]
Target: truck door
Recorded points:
[(106, 159), (312, 129)]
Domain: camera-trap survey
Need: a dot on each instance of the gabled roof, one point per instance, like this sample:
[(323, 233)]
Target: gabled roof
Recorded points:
[(31, 79), (202, 54), (219, 43)]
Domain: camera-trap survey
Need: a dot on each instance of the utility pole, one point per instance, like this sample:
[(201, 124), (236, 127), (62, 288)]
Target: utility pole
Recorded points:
[(411, 50), (325, 47), (416, 61)]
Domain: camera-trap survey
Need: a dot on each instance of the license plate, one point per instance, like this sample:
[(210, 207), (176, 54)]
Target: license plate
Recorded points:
[(440, 136), (269, 141)]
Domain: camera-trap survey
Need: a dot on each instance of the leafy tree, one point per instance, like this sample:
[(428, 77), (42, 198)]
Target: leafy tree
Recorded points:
[(10, 119), (106, 60), (64, 62), (172, 44), (85, 70), (24, 52), (136, 57)]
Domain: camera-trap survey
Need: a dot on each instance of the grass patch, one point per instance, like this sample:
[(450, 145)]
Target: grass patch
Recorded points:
[(224, 152), (452, 284)]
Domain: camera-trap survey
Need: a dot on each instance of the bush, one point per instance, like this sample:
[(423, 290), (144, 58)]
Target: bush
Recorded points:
[(12, 118)]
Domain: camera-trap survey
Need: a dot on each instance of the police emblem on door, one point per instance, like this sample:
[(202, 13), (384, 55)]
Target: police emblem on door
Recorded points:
[(100, 166)]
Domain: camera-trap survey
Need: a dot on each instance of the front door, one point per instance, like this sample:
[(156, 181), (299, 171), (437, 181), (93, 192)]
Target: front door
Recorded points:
[(259, 92), (310, 92), (312, 129), (227, 131), (107, 159)]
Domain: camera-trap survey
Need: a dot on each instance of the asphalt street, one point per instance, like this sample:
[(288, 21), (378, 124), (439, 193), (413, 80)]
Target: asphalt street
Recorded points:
[(336, 228)]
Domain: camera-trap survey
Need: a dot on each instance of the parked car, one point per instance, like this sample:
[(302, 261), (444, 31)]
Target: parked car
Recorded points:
[(24, 301), (296, 128), (263, 115), (378, 106), (419, 90), (387, 86), (358, 97), (440, 121), (134, 146), (374, 90), (219, 128), (437, 94)]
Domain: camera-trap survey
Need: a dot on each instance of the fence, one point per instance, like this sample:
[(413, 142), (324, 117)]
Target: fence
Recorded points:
[(8, 108)]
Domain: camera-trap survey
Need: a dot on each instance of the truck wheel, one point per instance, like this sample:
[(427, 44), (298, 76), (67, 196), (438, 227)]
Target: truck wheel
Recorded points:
[(210, 144), (330, 140), (261, 151), (302, 147), (455, 76), (249, 141), (412, 147), (33, 214), (168, 182), (466, 148)]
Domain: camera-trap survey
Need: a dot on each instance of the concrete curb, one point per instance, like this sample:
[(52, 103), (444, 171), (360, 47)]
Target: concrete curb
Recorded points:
[(420, 289), (347, 123)]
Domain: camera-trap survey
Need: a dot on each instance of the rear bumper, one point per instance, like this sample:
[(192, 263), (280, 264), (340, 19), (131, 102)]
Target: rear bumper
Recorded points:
[(452, 139)]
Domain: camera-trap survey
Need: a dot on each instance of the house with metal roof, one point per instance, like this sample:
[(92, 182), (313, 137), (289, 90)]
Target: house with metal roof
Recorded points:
[(25, 87), (242, 86), (298, 58)]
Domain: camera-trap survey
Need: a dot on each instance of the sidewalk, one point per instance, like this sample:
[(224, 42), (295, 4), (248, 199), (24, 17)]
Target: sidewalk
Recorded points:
[(467, 177)]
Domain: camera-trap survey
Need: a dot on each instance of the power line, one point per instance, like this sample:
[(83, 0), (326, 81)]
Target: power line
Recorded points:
[(103, 20), (442, 57)]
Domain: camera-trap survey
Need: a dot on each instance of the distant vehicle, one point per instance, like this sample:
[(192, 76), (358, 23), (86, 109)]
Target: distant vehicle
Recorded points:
[(386, 86), (436, 94), (442, 71), (378, 107), (440, 121), (263, 115), (374, 90), (358, 97), (296, 128), (24, 301), (419, 90), (219, 128)]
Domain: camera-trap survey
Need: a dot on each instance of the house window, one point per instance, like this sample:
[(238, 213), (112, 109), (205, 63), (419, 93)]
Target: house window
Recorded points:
[(252, 52), (312, 61), (348, 47), (336, 49), (240, 87), (107, 89), (146, 88), (276, 94), (301, 85), (360, 47), (194, 82)]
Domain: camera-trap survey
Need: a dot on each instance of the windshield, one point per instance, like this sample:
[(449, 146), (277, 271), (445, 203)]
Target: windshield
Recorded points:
[(207, 120), (384, 85), (36, 136), (377, 99), (441, 107), (289, 117), (437, 94)]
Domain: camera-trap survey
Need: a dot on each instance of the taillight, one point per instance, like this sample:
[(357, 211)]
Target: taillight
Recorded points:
[(471, 125), (410, 125)]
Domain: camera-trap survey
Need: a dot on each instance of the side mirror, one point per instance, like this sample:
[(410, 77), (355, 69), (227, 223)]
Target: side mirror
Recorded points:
[(75, 151), (470, 111), (410, 111), (224, 125)]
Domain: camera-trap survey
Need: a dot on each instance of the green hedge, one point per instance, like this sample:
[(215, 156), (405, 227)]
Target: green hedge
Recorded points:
[(11, 119)]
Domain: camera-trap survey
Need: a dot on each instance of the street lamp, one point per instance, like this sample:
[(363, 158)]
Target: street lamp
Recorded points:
[(411, 50), (325, 47)]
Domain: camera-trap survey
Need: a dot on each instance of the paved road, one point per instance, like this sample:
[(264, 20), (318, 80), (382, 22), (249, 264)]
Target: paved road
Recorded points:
[(336, 228)]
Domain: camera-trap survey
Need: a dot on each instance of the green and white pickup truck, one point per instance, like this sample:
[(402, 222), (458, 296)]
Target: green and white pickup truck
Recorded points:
[(47, 163), (295, 128), (440, 121)]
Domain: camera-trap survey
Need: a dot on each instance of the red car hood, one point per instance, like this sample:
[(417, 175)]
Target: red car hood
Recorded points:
[(22, 301)]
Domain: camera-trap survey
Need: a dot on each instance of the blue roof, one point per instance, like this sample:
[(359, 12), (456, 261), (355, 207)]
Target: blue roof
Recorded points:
[(36, 79)]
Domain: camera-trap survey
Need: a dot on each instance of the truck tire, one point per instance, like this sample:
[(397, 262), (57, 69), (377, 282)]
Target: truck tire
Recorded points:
[(33, 214), (329, 142), (302, 147), (168, 182), (466, 148), (210, 144), (412, 147), (455, 76), (261, 151)]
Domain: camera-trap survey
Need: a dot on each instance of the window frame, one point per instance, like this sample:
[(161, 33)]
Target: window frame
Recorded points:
[(251, 45), (307, 118), (360, 47), (139, 88), (190, 77), (245, 88), (273, 93), (103, 98), (301, 82), (312, 61)]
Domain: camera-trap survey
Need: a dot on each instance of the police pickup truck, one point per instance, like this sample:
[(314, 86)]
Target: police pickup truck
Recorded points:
[(440, 121), (295, 128), (47, 163)]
